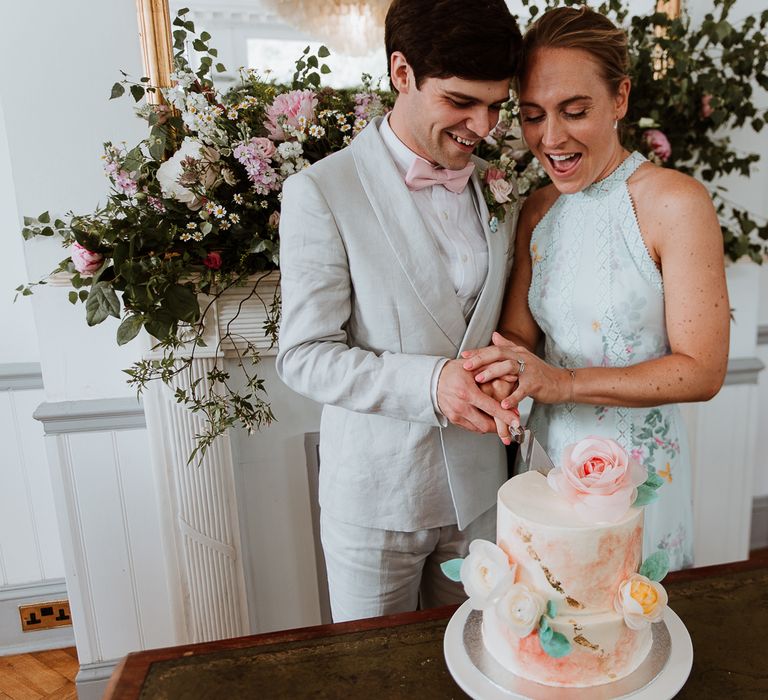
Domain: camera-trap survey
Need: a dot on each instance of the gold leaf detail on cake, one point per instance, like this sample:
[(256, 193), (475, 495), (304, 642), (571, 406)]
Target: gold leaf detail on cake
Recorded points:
[(583, 641), (552, 580), (525, 536), (573, 602), (532, 553)]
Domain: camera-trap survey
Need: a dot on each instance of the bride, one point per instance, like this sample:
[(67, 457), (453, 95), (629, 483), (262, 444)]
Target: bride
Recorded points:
[(618, 269)]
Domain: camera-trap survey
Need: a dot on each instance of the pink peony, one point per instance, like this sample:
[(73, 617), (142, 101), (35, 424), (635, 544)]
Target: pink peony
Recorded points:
[(658, 143), (85, 262), (212, 261), (706, 106), (599, 478), (287, 109)]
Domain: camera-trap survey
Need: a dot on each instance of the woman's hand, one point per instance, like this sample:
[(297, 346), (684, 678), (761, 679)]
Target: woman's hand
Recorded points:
[(507, 361)]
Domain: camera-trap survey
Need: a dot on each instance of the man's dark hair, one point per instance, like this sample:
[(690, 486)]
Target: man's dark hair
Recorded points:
[(469, 39)]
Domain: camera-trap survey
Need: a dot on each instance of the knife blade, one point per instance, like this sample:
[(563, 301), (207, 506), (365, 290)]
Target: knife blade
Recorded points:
[(532, 453)]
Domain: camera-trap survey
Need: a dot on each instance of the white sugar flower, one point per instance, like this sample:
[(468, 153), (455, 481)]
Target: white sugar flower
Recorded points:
[(520, 609), (486, 574)]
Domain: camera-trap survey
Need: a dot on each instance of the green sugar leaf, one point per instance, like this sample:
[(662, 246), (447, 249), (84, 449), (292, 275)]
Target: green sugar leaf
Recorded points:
[(551, 608), (654, 481), (645, 495), (656, 566), (545, 631), (556, 646), (452, 569)]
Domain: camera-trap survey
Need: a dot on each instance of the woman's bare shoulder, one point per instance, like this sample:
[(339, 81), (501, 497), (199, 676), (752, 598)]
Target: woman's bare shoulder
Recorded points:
[(655, 187)]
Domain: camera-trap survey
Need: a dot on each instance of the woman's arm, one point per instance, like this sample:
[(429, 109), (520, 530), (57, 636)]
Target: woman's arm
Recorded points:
[(516, 322), (682, 233)]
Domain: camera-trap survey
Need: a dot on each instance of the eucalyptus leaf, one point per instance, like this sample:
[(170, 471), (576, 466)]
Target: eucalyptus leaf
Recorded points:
[(117, 91)]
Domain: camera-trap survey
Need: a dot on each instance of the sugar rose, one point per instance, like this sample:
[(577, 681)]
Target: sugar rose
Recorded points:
[(599, 478), (520, 609), (641, 601), (486, 574), (85, 261)]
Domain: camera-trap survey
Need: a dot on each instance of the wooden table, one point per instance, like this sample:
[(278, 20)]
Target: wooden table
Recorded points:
[(725, 609)]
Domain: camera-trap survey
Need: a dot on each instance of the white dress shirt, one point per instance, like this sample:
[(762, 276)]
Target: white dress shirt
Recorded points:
[(455, 225)]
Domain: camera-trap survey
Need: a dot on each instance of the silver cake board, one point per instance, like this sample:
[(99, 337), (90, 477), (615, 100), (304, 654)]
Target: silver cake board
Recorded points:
[(659, 677)]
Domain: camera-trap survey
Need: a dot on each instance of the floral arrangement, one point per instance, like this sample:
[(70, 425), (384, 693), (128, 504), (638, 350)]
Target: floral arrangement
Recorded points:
[(691, 86), (194, 210)]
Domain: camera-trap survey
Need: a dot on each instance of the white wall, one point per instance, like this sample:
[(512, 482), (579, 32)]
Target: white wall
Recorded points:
[(56, 118)]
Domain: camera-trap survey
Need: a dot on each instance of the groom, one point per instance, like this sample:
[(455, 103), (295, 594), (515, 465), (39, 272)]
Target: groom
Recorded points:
[(390, 270)]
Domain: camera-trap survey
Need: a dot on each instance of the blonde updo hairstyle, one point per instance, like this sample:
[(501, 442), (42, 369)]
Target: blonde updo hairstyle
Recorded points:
[(582, 28)]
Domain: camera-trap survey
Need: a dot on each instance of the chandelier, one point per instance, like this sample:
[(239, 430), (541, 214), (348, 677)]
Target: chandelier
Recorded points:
[(350, 27)]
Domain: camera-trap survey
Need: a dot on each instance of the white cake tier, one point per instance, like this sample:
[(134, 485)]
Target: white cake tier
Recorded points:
[(604, 649), (578, 565)]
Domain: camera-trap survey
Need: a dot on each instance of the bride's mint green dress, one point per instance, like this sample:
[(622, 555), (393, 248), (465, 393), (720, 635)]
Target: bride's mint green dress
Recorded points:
[(598, 297)]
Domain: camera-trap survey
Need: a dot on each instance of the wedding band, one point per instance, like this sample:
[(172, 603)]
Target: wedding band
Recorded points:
[(520, 367)]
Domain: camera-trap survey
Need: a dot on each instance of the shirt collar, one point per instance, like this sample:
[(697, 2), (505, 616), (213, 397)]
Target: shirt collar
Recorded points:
[(401, 154)]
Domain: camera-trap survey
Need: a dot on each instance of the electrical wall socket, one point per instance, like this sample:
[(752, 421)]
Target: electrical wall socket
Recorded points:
[(43, 616)]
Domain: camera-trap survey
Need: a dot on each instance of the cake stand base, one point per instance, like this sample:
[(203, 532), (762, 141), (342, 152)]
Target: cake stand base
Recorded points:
[(659, 677)]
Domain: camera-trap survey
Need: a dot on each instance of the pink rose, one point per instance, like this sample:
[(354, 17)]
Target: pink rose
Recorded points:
[(501, 190), (494, 174), (287, 109), (263, 147), (212, 261), (274, 219), (706, 106), (85, 262), (599, 478), (658, 143)]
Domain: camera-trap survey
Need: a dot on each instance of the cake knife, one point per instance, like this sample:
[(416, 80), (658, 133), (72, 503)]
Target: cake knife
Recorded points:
[(533, 455)]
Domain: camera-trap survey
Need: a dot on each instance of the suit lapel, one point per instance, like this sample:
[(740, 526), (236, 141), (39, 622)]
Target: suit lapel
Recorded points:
[(487, 306), (404, 228)]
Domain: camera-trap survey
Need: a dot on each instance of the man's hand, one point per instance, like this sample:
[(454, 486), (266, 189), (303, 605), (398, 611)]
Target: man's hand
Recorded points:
[(464, 404)]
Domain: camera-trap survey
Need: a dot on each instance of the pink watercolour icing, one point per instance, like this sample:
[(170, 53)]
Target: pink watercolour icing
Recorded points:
[(577, 565)]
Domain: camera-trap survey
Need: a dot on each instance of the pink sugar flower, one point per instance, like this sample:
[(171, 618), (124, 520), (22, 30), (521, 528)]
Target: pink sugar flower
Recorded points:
[(85, 261), (658, 143), (599, 479), (287, 109), (706, 106)]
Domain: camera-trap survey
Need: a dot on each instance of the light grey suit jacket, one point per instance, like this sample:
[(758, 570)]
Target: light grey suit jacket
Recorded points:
[(368, 312)]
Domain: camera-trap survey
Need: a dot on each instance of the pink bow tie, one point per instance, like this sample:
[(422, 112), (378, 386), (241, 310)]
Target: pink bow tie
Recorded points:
[(421, 174)]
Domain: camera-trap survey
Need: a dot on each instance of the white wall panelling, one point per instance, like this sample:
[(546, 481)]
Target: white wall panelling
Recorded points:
[(31, 564), (109, 516)]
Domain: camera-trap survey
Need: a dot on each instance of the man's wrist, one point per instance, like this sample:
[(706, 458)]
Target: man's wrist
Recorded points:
[(441, 363)]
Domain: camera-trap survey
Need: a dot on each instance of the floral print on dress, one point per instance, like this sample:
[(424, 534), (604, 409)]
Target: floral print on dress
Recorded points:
[(598, 305)]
